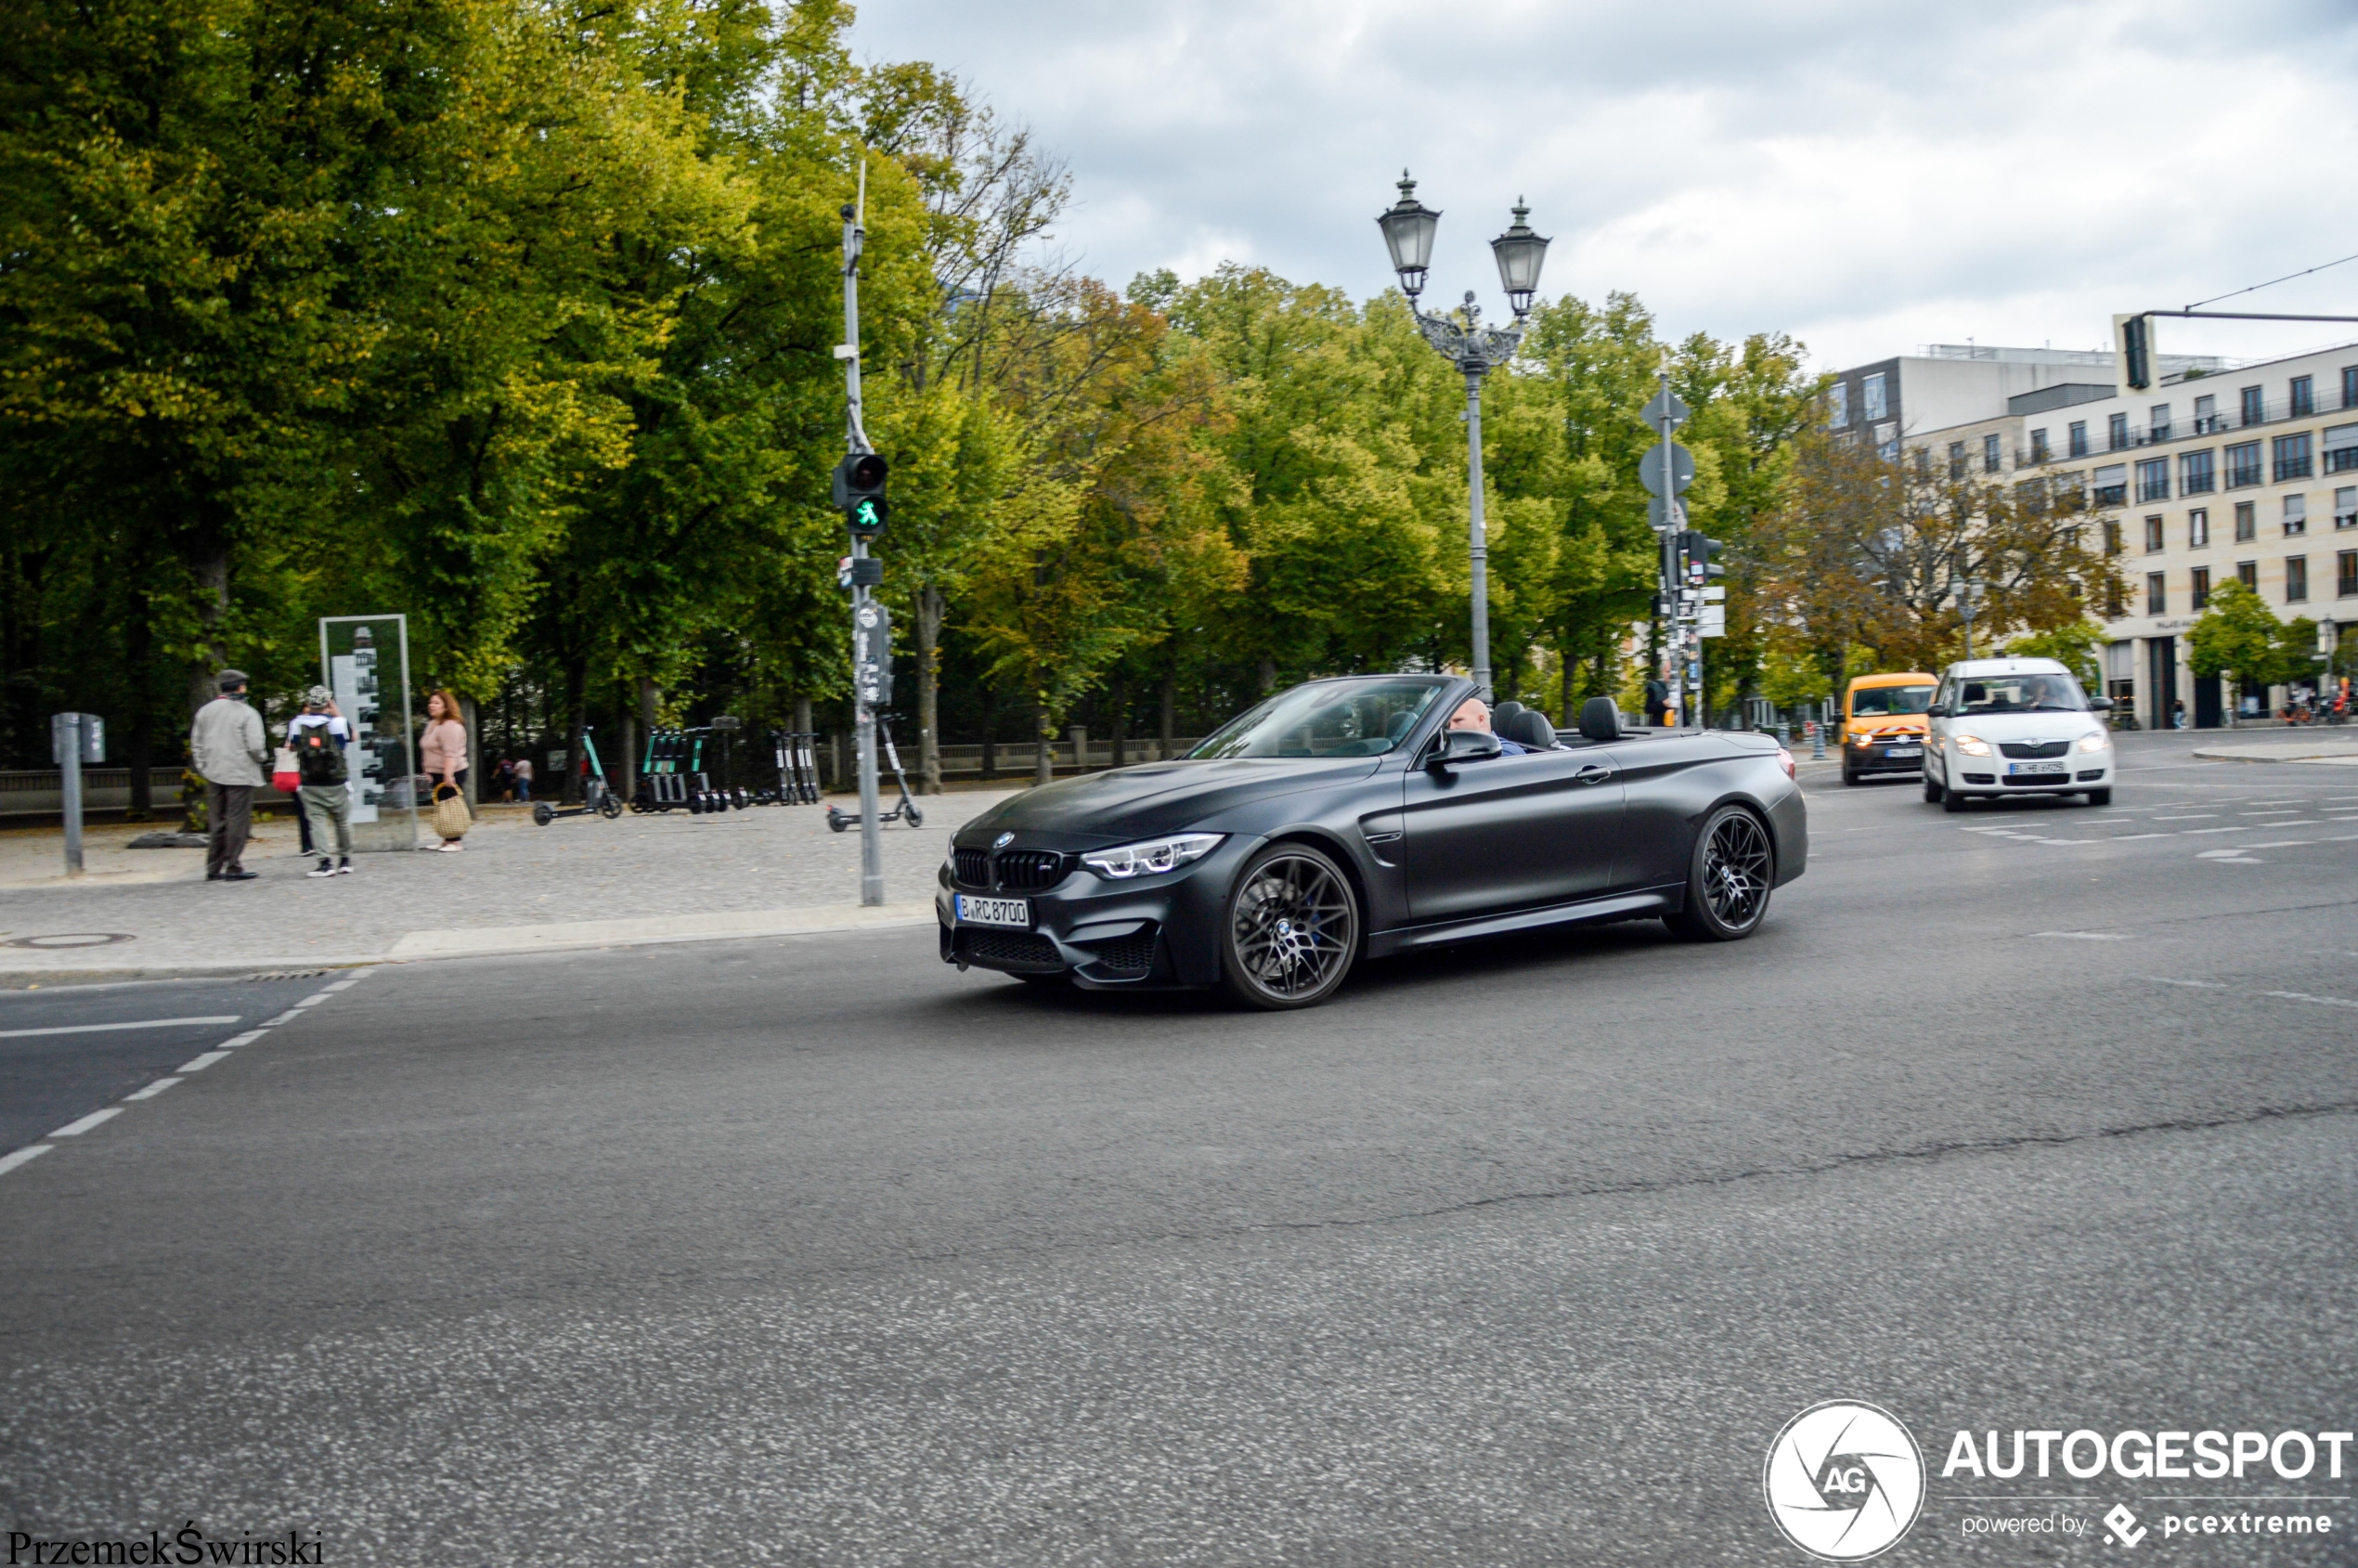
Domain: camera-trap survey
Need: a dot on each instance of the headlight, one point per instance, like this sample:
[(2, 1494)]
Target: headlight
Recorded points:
[(1153, 855), (1972, 745), (2094, 741), (1862, 738)]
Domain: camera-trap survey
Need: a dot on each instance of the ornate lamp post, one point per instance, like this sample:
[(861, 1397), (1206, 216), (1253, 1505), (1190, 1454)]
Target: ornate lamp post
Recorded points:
[(1408, 227)]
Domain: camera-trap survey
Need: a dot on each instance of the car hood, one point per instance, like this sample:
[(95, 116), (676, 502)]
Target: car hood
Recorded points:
[(2028, 726), (1151, 798)]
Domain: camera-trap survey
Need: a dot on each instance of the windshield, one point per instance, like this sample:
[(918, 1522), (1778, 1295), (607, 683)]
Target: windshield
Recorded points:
[(1329, 719), (1876, 700), (2021, 693)]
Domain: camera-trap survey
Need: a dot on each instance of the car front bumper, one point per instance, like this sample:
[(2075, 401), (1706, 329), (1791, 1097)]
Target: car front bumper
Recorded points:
[(1988, 775), (1134, 933)]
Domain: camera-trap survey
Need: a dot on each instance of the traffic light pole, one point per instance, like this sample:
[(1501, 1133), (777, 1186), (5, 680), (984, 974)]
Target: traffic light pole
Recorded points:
[(864, 713)]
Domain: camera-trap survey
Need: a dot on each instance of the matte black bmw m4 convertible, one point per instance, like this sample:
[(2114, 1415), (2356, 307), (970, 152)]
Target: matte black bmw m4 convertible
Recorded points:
[(1344, 819)]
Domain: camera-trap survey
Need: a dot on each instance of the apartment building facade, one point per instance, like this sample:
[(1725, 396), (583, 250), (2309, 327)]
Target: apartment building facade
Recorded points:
[(2216, 474)]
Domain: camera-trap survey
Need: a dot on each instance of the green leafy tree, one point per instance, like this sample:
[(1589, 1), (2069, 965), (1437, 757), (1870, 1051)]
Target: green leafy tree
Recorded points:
[(2238, 636)]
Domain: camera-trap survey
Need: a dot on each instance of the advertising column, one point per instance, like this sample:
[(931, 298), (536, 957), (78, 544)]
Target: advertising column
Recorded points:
[(365, 663)]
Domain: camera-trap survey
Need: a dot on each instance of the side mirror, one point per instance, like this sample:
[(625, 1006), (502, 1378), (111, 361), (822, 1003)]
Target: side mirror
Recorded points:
[(1464, 745), (2100, 704), (1937, 710)]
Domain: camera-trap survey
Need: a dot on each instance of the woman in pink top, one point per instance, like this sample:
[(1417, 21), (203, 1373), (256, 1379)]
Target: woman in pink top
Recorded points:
[(442, 750)]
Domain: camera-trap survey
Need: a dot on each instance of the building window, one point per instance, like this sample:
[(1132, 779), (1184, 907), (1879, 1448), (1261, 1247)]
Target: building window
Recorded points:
[(2198, 528), (2039, 452), (2304, 397), (2243, 464), (2292, 457), (2076, 437), (2198, 473), (2112, 538), (2198, 587), (2254, 410), (2158, 423), (1877, 405), (2296, 514), (2115, 433), (2295, 579), (2346, 507), (2157, 593), (1887, 441), (2154, 543), (2153, 479), (2112, 485), (2346, 575), (1838, 405), (1993, 455), (2341, 446), (2206, 414), (2247, 574), (2349, 386), (1956, 459)]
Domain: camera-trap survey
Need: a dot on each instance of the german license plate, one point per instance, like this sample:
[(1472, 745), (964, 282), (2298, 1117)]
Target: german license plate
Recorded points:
[(1904, 751), (995, 912), (2036, 769)]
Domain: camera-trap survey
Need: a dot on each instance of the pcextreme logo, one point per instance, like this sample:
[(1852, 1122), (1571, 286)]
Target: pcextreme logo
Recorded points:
[(1844, 1481)]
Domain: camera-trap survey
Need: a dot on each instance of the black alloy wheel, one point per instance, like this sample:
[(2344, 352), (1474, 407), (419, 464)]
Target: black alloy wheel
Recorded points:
[(1290, 932), (1729, 879)]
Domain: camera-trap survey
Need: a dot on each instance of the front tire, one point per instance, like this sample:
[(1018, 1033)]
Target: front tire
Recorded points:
[(1933, 792), (1727, 879), (1952, 801), (1289, 931), (2100, 796), (1848, 777)]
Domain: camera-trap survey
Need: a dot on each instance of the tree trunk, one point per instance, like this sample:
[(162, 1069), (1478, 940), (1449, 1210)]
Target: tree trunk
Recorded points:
[(138, 638), (576, 725), (929, 690), (474, 752), (1170, 704), (1119, 701), (1043, 741), (1268, 675), (626, 769), (1564, 657), (211, 569)]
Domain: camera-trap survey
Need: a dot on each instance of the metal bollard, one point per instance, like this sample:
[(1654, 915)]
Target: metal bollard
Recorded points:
[(1817, 741)]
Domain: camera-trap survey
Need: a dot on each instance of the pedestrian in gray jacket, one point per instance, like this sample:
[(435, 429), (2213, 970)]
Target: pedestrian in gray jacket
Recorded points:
[(228, 750)]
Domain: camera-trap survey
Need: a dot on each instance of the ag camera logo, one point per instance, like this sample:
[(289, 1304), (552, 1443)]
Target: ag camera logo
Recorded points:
[(1845, 1481)]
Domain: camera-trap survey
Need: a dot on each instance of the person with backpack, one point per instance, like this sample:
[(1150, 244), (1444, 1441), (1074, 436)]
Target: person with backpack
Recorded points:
[(317, 736)]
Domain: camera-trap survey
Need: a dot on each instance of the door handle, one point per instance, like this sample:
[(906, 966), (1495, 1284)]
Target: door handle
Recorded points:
[(1592, 774)]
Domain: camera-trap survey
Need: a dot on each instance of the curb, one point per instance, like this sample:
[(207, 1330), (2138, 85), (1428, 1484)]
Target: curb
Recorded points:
[(493, 941)]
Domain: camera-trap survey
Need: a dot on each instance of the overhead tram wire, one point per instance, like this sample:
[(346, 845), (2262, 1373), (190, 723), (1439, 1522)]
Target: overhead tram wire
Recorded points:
[(2271, 284)]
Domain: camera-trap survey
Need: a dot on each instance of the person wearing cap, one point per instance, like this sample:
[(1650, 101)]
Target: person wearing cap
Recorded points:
[(228, 749), (317, 736)]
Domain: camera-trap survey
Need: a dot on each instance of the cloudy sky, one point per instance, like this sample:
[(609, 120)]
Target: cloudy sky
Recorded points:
[(1867, 175)]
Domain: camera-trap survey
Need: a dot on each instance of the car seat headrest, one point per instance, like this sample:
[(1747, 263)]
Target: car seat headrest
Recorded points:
[(1499, 715), (1601, 720), (1528, 727)]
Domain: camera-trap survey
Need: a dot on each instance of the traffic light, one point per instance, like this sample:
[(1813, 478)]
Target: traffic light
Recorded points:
[(2136, 354), (859, 492), (1700, 550)]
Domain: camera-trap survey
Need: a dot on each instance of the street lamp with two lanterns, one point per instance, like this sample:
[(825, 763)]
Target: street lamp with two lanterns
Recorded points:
[(1408, 229)]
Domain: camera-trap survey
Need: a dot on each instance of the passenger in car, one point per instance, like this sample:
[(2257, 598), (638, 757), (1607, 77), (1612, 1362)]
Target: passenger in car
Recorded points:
[(1474, 714)]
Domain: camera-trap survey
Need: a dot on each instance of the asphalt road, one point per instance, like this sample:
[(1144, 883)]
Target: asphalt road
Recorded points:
[(816, 1252)]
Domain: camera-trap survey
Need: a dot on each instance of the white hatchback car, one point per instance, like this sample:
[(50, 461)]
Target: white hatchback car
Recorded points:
[(2015, 726)]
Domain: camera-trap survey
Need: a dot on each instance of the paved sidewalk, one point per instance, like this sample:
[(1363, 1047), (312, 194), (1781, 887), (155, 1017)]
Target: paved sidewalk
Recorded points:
[(580, 882)]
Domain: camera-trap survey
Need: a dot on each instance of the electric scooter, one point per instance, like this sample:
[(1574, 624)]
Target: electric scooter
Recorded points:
[(595, 795), (838, 821)]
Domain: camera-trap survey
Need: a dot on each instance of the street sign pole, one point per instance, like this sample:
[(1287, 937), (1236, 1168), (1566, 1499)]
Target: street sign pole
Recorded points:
[(862, 595), (75, 738), (1667, 470)]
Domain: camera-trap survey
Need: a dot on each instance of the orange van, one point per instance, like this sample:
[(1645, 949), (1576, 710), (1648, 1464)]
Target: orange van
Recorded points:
[(1882, 724)]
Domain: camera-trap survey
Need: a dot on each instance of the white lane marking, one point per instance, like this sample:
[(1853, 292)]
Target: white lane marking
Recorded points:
[(287, 1017), (2229, 856), (2085, 936), (2297, 821), (2281, 844), (10, 1161), (2247, 827), (314, 1000), (198, 1064), (103, 1029), (2125, 838), (2189, 817), (2345, 819), (339, 985), (75, 1128), (2286, 995), (152, 1090), (2283, 801), (248, 1038)]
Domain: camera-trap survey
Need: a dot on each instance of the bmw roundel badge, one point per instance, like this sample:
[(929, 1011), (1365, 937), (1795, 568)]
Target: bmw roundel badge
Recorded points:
[(1002, 841)]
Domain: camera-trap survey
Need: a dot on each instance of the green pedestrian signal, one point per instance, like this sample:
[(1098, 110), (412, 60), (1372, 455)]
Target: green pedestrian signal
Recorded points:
[(859, 492)]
